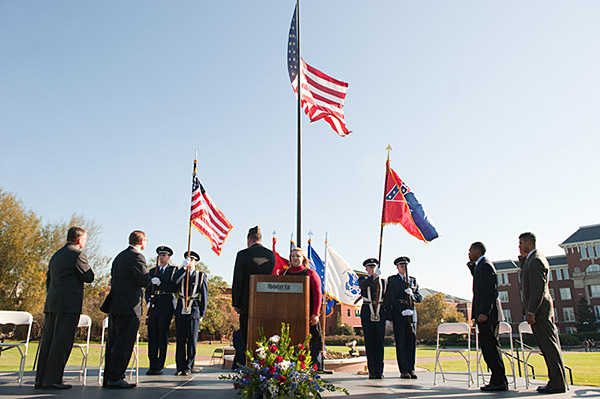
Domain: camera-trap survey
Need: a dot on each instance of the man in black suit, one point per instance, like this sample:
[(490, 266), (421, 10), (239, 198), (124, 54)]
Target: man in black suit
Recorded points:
[(485, 312), (160, 298), (400, 298), (128, 276), (67, 271), (255, 259), (188, 315), (538, 308)]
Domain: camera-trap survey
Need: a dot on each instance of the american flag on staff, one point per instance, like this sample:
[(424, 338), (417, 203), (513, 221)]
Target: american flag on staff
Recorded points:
[(207, 218), (322, 96)]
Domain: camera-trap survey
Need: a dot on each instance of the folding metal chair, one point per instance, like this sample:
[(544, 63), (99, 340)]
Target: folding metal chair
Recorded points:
[(18, 319), (84, 322), (448, 329), (503, 329), (525, 328), (135, 364), (217, 354)]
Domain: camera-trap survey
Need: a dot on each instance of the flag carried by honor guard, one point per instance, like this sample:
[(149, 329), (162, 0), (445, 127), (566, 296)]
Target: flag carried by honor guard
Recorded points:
[(341, 282), (401, 206), (322, 96), (207, 218)]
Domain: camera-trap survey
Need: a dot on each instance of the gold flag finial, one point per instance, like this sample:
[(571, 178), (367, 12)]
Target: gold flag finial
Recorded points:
[(388, 148)]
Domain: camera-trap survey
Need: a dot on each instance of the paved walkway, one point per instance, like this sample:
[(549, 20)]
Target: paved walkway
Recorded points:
[(207, 385)]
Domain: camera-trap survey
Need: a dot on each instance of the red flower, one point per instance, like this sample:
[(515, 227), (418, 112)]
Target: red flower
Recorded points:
[(278, 359), (281, 378), (236, 385), (273, 348), (272, 370), (261, 362), (315, 367), (302, 357), (302, 365), (301, 347)]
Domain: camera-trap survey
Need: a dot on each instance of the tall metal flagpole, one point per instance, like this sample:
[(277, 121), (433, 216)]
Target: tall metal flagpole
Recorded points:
[(189, 247), (299, 183), (388, 148)]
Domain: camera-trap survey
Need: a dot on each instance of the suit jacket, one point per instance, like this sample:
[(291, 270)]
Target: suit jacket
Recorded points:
[(396, 300), (255, 259), (369, 284), (128, 276), (199, 300), (534, 281), (163, 304), (485, 289), (67, 271)]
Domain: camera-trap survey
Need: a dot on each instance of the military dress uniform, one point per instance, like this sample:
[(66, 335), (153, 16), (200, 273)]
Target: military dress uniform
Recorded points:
[(372, 317), (161, 306), (188, 320), (401, 311)]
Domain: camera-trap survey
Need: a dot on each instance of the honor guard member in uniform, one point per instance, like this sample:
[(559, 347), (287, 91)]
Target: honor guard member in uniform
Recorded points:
[(372, 316), (189, 312), (399, 303), (161, 305)]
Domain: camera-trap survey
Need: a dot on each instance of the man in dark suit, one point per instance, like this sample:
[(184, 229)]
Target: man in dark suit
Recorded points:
[(255, 259), (372, 316), (538, 308), (400, 297), (485, 313), (67, 271), (160, 299), (128, 276), (188, 315)]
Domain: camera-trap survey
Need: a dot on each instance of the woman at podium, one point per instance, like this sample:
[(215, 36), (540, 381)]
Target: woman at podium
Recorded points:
[(299, 266)]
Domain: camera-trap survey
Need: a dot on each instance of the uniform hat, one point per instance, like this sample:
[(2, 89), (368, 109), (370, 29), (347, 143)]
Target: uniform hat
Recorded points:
[(163, 249), (372, 262), (254, 231), (193, 255), (403, 260)]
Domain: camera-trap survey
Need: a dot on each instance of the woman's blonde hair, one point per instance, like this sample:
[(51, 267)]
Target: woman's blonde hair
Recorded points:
[(305, 261)]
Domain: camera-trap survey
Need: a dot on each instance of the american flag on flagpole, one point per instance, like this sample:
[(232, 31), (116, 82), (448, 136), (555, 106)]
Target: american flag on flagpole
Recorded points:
[(322, 96), (207, 218)]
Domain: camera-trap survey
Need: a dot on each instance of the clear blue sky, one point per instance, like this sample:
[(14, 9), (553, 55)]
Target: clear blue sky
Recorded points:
[(491, 109)]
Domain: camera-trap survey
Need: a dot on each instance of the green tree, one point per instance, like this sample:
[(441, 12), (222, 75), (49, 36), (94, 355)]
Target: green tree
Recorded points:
[(586, 319), (220, 318), (431, 312)]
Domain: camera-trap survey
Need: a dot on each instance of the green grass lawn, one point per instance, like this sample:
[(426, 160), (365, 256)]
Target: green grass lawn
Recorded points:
[(584, 365)]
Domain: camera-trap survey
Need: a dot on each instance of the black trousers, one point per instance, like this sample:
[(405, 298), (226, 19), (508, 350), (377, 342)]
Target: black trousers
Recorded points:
[(240, 350), (374, 332), (158, 338), (55, 347), (544, 332), (122, 334), (187, 337), (490, 347), (406, 343)]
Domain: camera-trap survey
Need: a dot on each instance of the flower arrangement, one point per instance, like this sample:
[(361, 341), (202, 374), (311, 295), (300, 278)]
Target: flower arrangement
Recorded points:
[(279, 369)]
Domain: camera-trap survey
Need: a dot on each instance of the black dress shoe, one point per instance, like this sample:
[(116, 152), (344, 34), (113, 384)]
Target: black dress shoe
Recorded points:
[(57, 386), (378, 377), (405, 376), (154, 372), (120, 384), (38, 385), (494, 388), (550, 389), (185, 372), (413, 376), (178, 372), (371, 376)]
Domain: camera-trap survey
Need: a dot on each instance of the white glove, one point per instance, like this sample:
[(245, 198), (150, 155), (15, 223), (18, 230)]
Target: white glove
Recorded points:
[(408, 291), (407, 312), (186, 262), (155, 281), (377, 271), (387, 323), (148, 304)]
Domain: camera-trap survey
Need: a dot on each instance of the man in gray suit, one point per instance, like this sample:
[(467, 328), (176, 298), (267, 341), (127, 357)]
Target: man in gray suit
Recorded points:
[(538, 307), (128, 276), (67, 272)]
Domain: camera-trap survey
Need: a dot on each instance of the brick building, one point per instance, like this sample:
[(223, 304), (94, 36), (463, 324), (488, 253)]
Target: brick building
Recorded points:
[(573, 276)]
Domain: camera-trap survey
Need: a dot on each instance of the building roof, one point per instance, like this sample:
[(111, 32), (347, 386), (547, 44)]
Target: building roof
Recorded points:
[(425, 292), (584, 234), (505, 265), (558, 260)]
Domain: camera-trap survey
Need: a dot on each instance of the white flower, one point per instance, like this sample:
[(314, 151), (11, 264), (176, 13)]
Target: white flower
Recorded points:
[(274, 339), (261, 352), (285, 364)]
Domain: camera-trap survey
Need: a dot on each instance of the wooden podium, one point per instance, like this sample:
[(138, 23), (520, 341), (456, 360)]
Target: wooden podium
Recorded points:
[(278, 299)]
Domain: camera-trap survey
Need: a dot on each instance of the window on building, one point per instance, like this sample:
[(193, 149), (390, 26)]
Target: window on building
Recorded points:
[(597, 249), (590, 249), (348, 312), (356, 313), (595, 291), (558, 274), (597, 311), (571, 330), (503, 295), (565, 273), (569, 314), (565, 293), (583, 253), (552, 293), (592, 269), (507, 317), (550, 275)]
